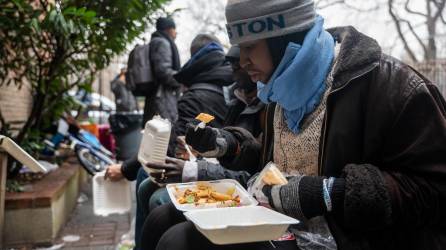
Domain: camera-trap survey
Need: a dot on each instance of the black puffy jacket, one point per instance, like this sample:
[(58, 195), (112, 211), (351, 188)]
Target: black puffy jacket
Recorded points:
[(204, 80)]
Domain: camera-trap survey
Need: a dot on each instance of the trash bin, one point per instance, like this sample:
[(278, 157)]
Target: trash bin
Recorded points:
[(126, 128)]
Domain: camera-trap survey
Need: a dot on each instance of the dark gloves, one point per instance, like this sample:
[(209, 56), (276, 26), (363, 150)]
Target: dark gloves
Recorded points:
[(210, 142), (267, 192), (203, 139), (305, 197)]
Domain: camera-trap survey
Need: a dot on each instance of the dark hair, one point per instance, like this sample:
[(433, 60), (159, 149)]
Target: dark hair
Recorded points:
[(164, 23), (277, 45), (202, 40), (233, 54)]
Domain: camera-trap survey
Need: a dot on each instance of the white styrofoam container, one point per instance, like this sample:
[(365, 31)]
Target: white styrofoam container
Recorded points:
[(240, 224), (219, 185), (154, 143), (110, 197)]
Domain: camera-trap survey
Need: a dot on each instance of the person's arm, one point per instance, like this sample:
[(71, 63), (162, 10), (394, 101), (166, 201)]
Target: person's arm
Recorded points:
[(161, 60), (177, 170), (234, 147), (408, 190), (189, 106), (245, 153), (130, 167), (207, 171)]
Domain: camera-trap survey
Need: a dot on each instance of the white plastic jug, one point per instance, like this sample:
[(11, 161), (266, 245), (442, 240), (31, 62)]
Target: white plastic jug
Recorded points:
[(154, 143)]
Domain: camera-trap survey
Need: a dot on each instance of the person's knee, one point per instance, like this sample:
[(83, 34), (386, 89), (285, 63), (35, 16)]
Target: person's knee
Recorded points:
[(177, 237), (140, 177), (141, 191), (160, 197)]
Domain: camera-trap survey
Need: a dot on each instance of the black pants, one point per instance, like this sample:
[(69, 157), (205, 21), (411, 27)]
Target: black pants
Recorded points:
[(167, 229)]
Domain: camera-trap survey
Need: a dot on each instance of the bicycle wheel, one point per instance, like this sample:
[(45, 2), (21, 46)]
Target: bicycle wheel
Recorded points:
[(91, 163)]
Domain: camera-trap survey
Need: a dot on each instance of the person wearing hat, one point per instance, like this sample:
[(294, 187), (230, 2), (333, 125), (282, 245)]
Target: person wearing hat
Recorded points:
[(361, 133), (165, 62)]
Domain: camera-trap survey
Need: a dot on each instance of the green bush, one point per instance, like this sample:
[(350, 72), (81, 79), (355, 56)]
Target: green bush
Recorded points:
[(56, 46)]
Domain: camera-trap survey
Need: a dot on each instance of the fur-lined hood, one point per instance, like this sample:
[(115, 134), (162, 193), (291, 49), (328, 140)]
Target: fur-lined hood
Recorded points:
[(358, 54)]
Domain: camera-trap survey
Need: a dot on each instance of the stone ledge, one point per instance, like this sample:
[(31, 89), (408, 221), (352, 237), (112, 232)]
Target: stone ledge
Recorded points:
[(44, 191), (37, 216)]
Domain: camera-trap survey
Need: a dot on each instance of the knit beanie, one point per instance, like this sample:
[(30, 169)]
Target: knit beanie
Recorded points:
[(249, 20), (233, 54), (164, 23)]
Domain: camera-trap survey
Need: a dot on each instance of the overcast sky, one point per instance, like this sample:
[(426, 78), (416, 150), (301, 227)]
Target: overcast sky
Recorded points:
[(376, 24)]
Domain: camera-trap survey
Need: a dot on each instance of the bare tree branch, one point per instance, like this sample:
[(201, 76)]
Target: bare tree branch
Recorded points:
[(400, 32), (443, 19), (329, 4), (350, 6), (440, 7), (407, 8), (412, 30)]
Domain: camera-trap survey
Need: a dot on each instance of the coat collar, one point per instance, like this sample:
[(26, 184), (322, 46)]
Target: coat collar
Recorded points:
[(358, 55)]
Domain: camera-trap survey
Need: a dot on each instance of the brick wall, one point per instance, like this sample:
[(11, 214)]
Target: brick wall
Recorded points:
[(15, 105)]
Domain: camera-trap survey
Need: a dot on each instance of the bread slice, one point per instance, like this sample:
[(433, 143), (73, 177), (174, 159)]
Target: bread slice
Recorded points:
[(274, 177)]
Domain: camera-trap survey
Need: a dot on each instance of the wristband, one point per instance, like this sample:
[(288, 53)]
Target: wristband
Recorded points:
[(326, 195)]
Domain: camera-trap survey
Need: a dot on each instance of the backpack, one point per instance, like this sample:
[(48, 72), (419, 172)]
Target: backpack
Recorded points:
[(139, 76)]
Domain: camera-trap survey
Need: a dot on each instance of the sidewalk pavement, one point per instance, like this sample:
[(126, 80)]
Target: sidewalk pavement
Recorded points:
[(85, 231)]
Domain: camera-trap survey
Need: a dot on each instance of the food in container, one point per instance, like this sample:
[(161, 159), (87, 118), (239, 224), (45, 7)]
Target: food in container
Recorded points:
[(209, 194), (222, 222), (240, 224), (204, 193)]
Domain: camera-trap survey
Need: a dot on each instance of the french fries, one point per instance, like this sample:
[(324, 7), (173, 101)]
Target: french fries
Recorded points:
[(220, 197), (204, 194)]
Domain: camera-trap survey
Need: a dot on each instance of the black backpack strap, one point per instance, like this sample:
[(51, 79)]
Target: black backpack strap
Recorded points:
[(207, 86)]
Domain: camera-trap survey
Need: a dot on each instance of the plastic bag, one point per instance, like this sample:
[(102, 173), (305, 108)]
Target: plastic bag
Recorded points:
[(313, 234), (257, 182)]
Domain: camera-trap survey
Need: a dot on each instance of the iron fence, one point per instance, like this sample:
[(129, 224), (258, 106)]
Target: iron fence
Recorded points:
[(436, 72)]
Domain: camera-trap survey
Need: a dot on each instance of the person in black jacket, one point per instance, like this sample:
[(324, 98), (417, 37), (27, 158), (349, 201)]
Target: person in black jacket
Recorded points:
[(165, 62), (204, 77), (360, 133)]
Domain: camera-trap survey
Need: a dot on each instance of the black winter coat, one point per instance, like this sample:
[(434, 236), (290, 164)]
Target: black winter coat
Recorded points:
[(384, 136), (204, 78), (124, 98), (165, 63)]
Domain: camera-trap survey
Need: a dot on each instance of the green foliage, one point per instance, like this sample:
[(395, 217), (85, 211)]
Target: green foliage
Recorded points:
[(55, 46), (14, 186)]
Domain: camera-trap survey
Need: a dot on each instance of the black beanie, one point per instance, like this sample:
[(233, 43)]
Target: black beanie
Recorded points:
[(233, 54), (164, 23)]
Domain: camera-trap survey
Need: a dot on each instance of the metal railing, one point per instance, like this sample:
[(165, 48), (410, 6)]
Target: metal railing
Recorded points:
[(434, 71)]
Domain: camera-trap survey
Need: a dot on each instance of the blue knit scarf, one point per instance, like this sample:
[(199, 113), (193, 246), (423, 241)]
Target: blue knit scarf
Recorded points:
[(298, 83)]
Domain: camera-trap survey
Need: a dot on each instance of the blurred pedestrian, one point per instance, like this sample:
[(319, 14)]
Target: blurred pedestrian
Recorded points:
[(124, 98), (165, 62)]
